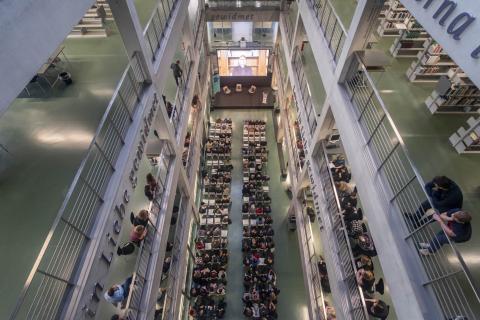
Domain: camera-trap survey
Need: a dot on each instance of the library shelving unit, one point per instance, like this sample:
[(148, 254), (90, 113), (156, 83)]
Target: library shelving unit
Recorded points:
[(432, 64), (455, 93), (467, 141), (91, 25), (409, 44), (396, 17)]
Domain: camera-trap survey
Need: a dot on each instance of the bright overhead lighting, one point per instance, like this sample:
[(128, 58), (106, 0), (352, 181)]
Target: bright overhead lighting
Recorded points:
[(64, 138)]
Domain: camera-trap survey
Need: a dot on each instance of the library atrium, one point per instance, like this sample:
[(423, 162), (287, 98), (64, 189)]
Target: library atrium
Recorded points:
[(212, 159)]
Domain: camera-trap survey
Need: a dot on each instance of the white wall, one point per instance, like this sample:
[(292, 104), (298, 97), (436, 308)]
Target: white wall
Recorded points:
[(242, 29), (459, 50), (30, 30)]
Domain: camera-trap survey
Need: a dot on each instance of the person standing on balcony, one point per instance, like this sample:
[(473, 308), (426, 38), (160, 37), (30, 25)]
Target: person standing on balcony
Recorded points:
[(177, 71), (101, 13)]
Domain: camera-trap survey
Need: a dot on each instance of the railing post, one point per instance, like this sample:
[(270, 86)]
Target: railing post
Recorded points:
[(376, 128), (102, 153)]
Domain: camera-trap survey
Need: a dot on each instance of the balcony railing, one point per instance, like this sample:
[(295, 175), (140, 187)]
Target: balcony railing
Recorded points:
[(171, 295), (194, 142), (446, 271), (311, 260), (330, 24), (198, 28), (267, 44), (352, 302), (51, 279), (288, 27), (139, 281), (177, 112), (243, 4), (305, 95), (156, 26)]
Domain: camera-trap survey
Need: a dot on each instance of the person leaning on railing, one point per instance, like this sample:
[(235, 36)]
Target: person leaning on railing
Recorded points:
[(444, 195), (138, 234), (141, 219), (455, 226), (151, 187), (118, 293)]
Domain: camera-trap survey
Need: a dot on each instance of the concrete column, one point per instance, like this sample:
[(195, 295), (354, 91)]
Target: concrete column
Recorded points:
[(364, 23), (126, 18)]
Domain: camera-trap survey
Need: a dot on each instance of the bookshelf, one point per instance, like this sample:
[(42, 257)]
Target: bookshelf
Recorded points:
[(467, 140)]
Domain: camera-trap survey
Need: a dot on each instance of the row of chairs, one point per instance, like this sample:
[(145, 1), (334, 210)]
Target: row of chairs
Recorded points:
[(209, 277), (260, 295)]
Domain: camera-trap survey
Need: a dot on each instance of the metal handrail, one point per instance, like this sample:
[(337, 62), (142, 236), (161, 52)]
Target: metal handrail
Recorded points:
[(296, 158), (342, 229), (198, 30), (405, 189), (177, 114), (306, 96), (154, 31), (288, 28), (316, 285), (194, 141), (173, 278), (330, 32), (134, 300), (237, 44), (82, 203), (243, 3)]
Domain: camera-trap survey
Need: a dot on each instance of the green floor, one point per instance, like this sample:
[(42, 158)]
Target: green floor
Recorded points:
[(317, 89), (292, 299), (426, 138), (345, 10), (144, 10), (47, 138), (122, 267)]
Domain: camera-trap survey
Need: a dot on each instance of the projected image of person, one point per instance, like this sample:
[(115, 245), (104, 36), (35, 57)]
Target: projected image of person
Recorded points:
[(242, 69)]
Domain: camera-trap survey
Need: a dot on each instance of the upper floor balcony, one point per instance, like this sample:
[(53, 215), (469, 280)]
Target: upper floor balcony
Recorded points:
[(63, 273), (232, 4)]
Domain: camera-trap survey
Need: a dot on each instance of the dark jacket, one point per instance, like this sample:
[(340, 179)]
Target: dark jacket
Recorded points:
[(444, 200), (177, 71)]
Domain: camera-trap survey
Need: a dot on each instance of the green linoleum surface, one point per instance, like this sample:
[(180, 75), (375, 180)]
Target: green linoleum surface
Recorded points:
[(123, 266), (292, 302), (426, 138), (292, 15), (317, 89), (145, 10), (345, 10), (170, 89), (47, 139)]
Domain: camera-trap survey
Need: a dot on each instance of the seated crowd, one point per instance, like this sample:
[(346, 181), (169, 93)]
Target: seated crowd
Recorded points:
[(259, 280), (209, 277), (360, 240)]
